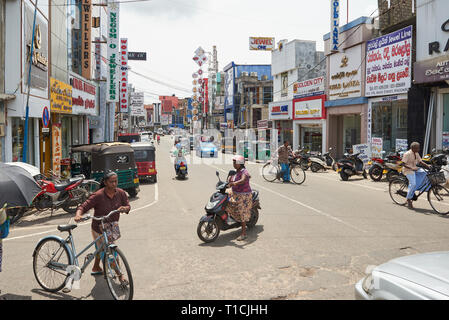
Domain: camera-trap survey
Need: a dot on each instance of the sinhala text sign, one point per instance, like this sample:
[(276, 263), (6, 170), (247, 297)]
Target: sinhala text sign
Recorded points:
[(388, 63)]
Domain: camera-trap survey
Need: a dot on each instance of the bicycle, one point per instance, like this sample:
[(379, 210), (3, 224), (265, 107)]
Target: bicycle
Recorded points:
[(437, 195), (272, 171), (60, 262)]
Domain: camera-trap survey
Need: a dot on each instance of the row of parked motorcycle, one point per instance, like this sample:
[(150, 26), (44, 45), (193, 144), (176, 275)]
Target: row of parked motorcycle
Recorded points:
[(389, 166)]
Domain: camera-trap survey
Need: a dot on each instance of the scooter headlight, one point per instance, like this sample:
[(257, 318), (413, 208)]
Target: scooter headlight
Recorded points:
[(211, 204)]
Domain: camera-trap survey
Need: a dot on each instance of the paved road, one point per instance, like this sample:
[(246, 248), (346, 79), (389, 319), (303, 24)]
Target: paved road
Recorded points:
[(312, 241)]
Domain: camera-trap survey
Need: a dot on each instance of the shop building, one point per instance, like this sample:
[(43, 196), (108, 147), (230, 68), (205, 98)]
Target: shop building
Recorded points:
[(431, 70), (346, 105), (292, 64)]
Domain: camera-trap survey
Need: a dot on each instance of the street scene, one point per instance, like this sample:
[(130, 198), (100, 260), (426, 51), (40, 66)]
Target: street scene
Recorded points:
[(306, 160)]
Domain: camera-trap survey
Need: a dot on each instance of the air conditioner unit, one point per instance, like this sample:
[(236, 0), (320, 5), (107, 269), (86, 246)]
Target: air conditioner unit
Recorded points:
[(253, 74)]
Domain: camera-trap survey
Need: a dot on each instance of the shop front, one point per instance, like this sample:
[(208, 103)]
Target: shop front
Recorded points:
[(309, 123), (280, 112)]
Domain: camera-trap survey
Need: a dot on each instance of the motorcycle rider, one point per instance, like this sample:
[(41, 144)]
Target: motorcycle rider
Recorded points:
[(158, 139), (240, 202), (414, 175)]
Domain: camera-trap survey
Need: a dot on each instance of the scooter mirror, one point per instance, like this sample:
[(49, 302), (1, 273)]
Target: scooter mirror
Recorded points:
[(217, 174)]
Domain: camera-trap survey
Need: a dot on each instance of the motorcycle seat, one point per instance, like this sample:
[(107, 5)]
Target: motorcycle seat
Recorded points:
[(66, 227), (62, 186), (255, 194)]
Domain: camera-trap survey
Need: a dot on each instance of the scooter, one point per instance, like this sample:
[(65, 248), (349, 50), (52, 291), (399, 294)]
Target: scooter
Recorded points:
[(317, 163), (217, 218), (181, 165), (330, 161), (350, 166)]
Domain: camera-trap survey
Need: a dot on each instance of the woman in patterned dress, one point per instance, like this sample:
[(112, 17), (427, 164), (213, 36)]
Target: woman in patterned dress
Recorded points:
[(240, 203)]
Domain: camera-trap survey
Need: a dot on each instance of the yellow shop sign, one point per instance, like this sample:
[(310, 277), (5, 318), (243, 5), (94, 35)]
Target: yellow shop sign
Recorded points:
[(60, 96)]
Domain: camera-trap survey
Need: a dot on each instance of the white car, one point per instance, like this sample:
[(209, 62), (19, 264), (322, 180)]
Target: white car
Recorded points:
[(416, 277)]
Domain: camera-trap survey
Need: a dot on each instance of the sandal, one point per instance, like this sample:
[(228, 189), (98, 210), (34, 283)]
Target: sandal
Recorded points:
[(242, 237)]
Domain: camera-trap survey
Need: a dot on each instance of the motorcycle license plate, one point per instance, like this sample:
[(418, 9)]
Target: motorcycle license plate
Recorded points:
[(182, 168)]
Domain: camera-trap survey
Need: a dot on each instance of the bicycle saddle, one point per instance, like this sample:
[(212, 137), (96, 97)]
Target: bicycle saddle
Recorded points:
[(66, 227)]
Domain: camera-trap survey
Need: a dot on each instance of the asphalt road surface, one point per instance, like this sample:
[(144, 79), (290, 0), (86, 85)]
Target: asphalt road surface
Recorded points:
[(312, 241)]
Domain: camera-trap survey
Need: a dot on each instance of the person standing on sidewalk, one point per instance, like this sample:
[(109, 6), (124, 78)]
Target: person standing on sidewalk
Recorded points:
[(284, 152), (415, 176)]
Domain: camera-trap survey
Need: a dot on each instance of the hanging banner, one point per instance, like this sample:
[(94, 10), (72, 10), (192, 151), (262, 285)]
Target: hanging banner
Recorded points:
[(112, 52), (86, 23), (335, 25), (123, 75), (388, 63), (56, 148), (376, 147)]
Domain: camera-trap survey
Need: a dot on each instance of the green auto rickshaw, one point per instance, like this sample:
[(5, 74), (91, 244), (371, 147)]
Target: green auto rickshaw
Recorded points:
[(94, 160)]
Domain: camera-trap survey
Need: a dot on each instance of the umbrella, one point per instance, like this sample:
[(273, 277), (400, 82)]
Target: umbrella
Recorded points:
[(34, 171), (17, 186)]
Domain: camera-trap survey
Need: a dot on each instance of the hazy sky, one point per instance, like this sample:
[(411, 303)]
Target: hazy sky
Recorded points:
[(171, 30)]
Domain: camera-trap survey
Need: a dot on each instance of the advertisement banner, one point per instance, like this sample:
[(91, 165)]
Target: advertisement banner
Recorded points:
[(280, 110), (311, 87), (261, 43), (376, 147), (432, 70), (335, 25), (364, 150), (112, 52), (309, 108), (123, 75), (86, 23), (401, 145), (56, 148), (60, 96), (137, 104), (84, 96), (388, 63), (229, 87), (345, 75)]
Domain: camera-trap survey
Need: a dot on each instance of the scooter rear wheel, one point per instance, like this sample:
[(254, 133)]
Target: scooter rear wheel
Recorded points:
[(208, 231), (315, 167), (254, 217), (344, 176), (375, 172)]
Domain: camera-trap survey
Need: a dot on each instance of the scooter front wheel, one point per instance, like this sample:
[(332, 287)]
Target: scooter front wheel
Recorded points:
[(208, 231)]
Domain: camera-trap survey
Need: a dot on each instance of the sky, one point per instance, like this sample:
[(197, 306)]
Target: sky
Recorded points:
[(171, 30)]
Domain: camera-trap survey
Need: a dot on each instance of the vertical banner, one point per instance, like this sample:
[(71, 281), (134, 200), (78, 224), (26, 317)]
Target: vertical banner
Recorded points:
[(56, 148), (97, 75), (335, 25), (86, 24), (112, 52), (124, 75)]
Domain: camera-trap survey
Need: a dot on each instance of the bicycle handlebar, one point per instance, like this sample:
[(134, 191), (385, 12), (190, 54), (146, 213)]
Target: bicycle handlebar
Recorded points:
[(99, 218)]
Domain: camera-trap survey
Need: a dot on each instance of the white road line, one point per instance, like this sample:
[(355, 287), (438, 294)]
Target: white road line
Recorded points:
[(156, 199), (327, 215), (351, 183)]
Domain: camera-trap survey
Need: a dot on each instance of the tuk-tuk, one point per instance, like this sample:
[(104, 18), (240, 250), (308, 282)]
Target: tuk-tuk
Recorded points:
[(129, 137), (145, 156), (94, 160)]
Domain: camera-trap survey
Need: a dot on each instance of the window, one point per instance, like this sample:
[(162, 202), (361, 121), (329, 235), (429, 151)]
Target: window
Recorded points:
[(267, 95)]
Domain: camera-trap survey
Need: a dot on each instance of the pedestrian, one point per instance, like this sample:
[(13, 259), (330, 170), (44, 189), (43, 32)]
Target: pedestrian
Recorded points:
[(105, 200), (284, 152), (3, 218), (414, 175), (240, 202)]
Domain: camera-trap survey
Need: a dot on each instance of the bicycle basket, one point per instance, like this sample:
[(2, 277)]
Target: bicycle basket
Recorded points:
[(436, 178)]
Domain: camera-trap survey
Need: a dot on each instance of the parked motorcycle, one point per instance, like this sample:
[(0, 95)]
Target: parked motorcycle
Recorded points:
[(330, 161), (302, 158), (317, 163), (389, 165), (216, 217), (350, 166)]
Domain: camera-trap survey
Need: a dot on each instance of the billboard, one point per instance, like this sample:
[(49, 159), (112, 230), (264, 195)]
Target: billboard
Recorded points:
[(123, 75), (86, 23), (335, 25), (388, 63), (261, 43)]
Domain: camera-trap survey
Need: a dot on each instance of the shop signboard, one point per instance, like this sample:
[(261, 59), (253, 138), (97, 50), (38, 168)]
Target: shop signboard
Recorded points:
[(364, 150), (432, 70), (280, 110), (84, 96), (60, 96), (388, 63), (345, 74), (113, 52), (137, 56), (229, 87), (86, 23), (123, 70), (56, 148), (401, 145), (376, 147), (307, 88), (261, 43), (309, 108), (137, 104), (335, 25)]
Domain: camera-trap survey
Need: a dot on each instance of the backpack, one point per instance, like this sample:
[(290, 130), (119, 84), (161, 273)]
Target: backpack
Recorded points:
[(4, 229)]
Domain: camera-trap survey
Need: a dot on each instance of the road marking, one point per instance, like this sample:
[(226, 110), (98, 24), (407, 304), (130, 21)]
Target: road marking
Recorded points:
[(352, 184), (156, 199), (304, 205)]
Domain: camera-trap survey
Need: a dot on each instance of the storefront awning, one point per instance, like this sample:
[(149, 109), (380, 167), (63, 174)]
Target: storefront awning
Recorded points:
[(6, 97)]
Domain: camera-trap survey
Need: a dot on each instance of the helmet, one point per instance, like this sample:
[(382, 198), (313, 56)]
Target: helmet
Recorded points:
[(239, 159)]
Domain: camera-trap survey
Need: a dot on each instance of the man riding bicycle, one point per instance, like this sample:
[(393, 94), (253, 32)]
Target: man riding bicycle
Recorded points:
[(283, 154)]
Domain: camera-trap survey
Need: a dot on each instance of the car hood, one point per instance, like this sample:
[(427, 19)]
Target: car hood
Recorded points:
[(430, 270)]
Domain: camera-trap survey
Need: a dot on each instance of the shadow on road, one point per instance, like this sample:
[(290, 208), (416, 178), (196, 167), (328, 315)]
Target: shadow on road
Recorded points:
[(54, 295), (11, 296), (429, 212), (100, 291), (42, 218), (230, 239)]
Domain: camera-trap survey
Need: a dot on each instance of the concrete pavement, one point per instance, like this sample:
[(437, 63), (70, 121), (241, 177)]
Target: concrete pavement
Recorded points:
[(312, 241)]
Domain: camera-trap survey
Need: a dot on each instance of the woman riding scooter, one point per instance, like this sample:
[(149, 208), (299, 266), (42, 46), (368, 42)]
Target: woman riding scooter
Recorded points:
[(240, 203)]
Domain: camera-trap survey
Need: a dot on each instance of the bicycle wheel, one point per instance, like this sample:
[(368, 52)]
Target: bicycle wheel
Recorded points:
[(398, 189), (115, 265), (438, 197), (50, 259), (297, 174), (270, 172)]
